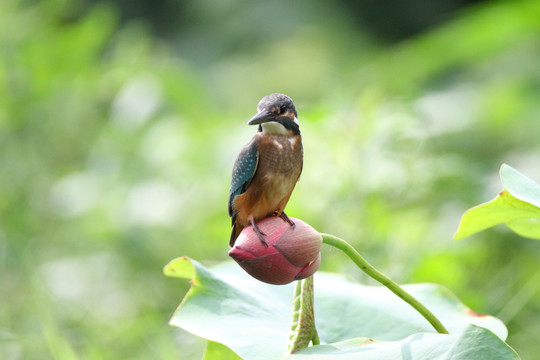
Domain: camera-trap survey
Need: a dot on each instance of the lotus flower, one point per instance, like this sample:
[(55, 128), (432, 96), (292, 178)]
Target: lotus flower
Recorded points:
[(292, 254)]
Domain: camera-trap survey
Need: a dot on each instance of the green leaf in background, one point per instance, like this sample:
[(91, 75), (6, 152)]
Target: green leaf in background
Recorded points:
[(517, 206), (473, 343), (520, 186), (251, 318)]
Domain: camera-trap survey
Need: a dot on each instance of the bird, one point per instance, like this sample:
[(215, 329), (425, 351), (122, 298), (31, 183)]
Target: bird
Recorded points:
[(267, 168)]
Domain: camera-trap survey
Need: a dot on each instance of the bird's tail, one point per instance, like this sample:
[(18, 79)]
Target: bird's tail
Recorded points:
[(236, 230)]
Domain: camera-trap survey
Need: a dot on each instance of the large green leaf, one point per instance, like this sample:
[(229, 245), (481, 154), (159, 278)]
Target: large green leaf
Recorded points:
[(226, 305), (219, 351), (517, 206), (473, 343)]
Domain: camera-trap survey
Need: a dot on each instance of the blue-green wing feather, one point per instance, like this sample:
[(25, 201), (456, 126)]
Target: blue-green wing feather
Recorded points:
[(243, 171)]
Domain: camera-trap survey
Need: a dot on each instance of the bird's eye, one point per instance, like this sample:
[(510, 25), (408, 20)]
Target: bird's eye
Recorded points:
[(282, 109)]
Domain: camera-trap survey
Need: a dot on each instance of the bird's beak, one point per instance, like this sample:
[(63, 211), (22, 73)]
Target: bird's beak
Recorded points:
[(261, 117)]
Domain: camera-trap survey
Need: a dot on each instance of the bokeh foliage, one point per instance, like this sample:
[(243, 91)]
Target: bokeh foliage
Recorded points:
[(116, 148)]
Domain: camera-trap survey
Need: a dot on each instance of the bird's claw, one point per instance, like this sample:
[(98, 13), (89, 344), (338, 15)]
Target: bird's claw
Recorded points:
[(287, 219), (259, 233)]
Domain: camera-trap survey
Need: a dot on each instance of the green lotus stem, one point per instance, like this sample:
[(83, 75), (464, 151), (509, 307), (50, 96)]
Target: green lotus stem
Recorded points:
[(384, 280), (315, 340), (295, 311), (303, 330)]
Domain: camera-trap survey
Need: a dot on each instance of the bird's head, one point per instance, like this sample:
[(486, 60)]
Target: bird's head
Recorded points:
[(276, 114)]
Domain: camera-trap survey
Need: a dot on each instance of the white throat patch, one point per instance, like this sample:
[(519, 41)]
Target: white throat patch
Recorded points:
[(273, 127)]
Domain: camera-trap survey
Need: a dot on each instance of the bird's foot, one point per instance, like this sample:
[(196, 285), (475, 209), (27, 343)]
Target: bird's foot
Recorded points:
[(259, 233), (287, 219)]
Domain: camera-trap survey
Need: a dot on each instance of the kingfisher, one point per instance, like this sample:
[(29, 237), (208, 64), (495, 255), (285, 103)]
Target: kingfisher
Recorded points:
[(267, 168)]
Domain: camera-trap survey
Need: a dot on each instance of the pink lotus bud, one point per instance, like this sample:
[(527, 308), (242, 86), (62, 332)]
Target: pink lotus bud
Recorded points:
[(290, 255)]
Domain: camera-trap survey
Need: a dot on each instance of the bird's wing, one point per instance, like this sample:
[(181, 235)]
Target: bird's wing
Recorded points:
[(243, 171)]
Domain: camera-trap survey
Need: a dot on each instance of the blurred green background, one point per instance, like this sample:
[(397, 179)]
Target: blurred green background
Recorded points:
[(120, 122)]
